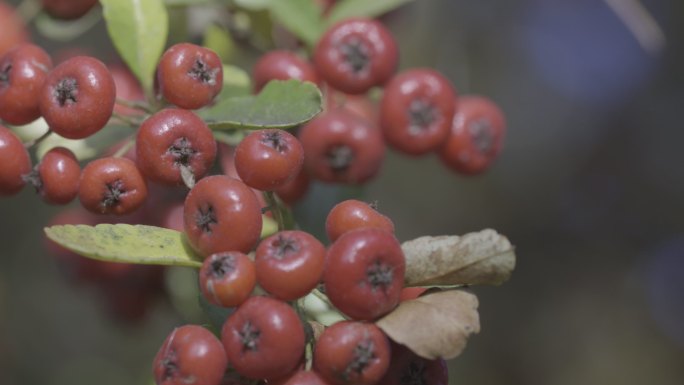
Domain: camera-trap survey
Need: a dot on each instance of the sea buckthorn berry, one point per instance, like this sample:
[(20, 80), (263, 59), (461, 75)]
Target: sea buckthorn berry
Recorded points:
[(416, 111), (341, 147), (355, 55), (350, 352), (15, 163), (23, 71), (68, 9), (222, 214), (364, 273), (267, 159), (289, 264), (294, 190), (77, 99), (227, 279), (282, 65), (408, 368), (112, 186), (190, 355), (353, 214), (14, 29), (263, 338), (476, 137), (56, 177), (190, 76), (172, 139)]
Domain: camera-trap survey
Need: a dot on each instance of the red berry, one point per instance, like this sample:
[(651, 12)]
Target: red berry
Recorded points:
[(222, 214), (13, 28), (409, 293), (341, 147), (353, 214), (23, 71), (267, 159), (15, 163), (227, 279), (355, 55), (408, 368), (352, 353), (416, 111), (171, 139), (57, 176), (364, 273), (190, 76), (282, 65), (68, 9), (302, 377), (294, 190), (190, 355), (476, 137), (289, 264), (77, 99), (264, 338), (112, 186)]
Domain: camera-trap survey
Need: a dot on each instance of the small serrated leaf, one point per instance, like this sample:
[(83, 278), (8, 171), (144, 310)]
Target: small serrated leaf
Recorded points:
[(301, 17), (281, 104), (362, 8), (435, 325), (126, 243), (485, 258)]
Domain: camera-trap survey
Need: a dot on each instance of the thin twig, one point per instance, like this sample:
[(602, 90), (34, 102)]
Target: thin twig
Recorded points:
[(142, 106), (127, 119), (36, 141), (124, 148)]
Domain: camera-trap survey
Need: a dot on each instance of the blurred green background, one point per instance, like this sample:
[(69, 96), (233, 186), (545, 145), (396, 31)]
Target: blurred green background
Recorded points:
[(589, 188)]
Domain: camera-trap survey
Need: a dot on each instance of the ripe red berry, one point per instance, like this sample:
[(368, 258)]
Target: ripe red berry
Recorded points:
[(341, 147), (15, 163), (112, 186), (349, 353), (77, 99), (416, 111), (353, 214), (364, 273), (302, 377), (295, 189), (282, 65), (190, 76), (267, 159), (14, 29), (190, 355), (23, 71), (56, 177), (476, 137), (227, 279), (409, 293), (68, 9), (289, 264), (171, 139), (355, 55), (222, 214), (408, 368), (263, 339)]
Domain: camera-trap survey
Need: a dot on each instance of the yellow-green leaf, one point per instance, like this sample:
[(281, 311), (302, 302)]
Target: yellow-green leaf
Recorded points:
[(362, 8), (301, 17)]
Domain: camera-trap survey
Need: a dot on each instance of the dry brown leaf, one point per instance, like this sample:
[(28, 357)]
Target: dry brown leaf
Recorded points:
[(435, 325), (485, 257)]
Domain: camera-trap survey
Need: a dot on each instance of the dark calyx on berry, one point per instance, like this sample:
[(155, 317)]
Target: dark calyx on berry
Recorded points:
[(364, 353), (5, 74), (379, 275), (340, 158), (284, 246), (203, 73), (205, 219), (66, 91), (112, 196), (182, 151), (274, 140), (356, 54), (481, 133), (421, 115), (249, 336), (222, 265)]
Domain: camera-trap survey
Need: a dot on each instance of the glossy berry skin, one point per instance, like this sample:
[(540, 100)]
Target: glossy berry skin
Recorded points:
[(222, 214), (77, 99), (23, 71), (112, 186), (355, 55), (171, 139), (190, 355), (476, 136), (295, 189), (267, 159), (68, 9), (354, 214), (227, 279), (350, 352), (416, 111), (190, 76), (341, 147), (407, 368), (282, 65), (14, 29), (263, 339), (364, 273), (289, 264), (57, 176), (15, 163)]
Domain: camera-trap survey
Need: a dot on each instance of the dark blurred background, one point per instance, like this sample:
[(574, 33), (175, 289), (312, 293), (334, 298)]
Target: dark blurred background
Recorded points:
[(589, 188)]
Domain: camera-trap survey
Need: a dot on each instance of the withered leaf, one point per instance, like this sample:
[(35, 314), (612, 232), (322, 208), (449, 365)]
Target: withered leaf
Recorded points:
[(434, 326), (485, 257)]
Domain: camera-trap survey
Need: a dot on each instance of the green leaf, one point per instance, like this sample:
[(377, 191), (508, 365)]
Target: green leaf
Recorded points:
[(281, 104), (219, 40), (301, 17), (138, 29), (236, 82), (362, 8), (126, 243), (255, 5)]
